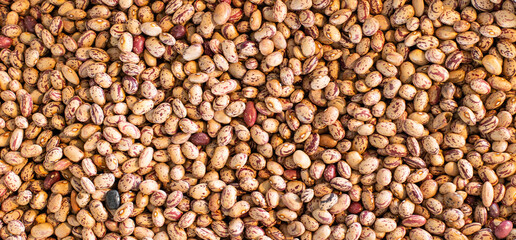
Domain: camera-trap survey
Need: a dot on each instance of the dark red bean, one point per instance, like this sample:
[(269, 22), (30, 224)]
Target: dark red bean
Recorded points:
[(51, 178), (178, 31), (5, 42), (207, 49), (291, 174), (250, 114), (494, 210), (29, 22), (200, 139), (138, 44), (355, 208)]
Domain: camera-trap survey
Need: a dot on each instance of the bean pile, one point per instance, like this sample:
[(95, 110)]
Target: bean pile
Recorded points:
[(257, 119)]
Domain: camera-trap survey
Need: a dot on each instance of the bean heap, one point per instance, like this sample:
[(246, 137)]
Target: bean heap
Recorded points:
[(257, 119)]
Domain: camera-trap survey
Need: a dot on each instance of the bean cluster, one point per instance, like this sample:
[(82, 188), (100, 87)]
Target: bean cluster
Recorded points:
[(257, 119)]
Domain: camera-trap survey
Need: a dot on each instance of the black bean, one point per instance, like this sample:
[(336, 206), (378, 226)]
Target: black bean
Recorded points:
[(112, 199)]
